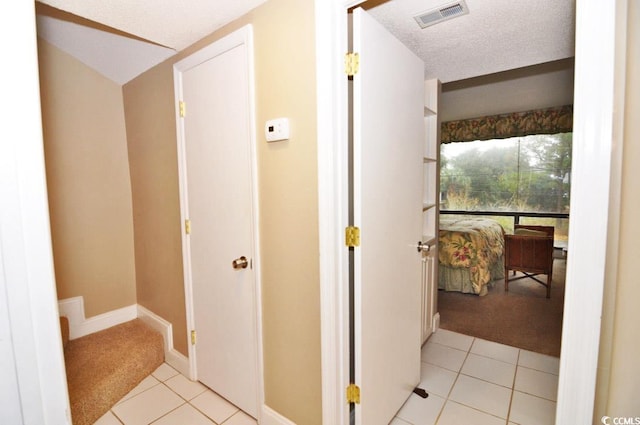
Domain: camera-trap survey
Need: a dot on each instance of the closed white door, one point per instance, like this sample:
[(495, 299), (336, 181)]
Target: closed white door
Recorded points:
[(217, 150), (388, 174)]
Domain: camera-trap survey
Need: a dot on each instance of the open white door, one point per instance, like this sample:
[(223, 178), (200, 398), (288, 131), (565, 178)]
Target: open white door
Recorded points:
[(388, 157)]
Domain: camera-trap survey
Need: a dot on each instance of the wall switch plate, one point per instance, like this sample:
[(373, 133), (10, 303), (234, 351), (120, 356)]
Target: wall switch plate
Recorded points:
[(277, 129)]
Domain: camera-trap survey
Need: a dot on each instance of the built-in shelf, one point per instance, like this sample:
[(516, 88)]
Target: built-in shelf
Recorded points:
[(428, 205), (428, 240), (429, 112)]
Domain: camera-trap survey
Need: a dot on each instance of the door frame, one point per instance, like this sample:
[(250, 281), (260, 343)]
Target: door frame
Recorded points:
[(242, 36), (596, 166)]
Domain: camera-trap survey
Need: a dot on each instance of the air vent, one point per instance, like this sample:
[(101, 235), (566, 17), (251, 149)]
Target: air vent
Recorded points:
[(442, 13)]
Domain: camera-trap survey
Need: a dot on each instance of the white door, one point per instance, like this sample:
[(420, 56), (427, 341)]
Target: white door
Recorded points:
[(217, 150), (388, 157)]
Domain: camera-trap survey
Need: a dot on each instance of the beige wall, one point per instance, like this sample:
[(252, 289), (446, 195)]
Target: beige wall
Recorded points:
[(88, 183), (619, 368), (151, 135), (285, 86)]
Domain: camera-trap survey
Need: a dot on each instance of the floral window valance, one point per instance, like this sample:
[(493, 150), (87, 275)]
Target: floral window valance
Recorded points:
[(542, 121)]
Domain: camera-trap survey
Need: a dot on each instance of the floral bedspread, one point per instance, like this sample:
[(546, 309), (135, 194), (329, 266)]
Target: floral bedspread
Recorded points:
[(473, 243)]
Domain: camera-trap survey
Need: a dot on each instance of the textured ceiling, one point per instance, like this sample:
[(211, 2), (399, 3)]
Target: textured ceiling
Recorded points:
[(171, 23), (524, 46), (123, 38), (495, 36)]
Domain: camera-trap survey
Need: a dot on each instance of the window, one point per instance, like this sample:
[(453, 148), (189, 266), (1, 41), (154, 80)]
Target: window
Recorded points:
[(529, 174)]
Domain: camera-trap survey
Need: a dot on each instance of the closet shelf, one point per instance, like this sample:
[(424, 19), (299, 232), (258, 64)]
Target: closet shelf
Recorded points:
[(428, 112), (428, 205), (428, 240)]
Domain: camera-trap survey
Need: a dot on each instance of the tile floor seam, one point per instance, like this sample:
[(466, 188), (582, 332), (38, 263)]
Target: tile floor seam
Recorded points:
[(447, 399), (493, 358), (478, 410), (485, 381), (512, 391), (513, 387), (207, 416), (182, 398), (537, 396), (537, 370), (121, 401), (167, 413), (448, 346), (229, 418)]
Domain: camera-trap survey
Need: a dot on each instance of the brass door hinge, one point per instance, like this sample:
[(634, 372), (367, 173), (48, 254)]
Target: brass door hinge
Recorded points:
[(353, 394), (182, 108), (352, 236), (187, 226), (351, 64), (193, 337)]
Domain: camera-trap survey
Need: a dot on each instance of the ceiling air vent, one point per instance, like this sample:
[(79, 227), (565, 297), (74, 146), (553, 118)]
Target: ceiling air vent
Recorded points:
[(442, 13)]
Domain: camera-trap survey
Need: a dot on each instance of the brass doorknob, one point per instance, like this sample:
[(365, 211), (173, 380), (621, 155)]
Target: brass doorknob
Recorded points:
[(240, 263)]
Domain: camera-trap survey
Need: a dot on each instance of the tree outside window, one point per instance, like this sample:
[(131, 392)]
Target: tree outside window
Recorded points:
[(518, 174)]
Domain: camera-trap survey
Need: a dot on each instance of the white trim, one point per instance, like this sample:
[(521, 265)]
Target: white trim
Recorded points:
[(33, 388), (257, 257), (171, 356), (271, 417), (592, 176), (184, 213), (242, 36), (435, 324), (331, 44), (73, 309)]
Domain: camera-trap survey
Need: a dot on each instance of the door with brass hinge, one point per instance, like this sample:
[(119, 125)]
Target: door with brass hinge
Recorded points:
[(215, 118), (388, 135)]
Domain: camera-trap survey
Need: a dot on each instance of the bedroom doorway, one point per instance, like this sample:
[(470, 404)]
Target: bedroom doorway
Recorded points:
[(580, 328), (523, 180)]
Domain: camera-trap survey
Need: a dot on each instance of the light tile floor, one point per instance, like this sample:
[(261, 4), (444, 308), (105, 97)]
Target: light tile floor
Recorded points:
[(469, 381), (474, 381), (167, 398)]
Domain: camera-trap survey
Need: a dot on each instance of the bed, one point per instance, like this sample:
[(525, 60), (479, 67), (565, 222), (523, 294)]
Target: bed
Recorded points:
[(470, 254)]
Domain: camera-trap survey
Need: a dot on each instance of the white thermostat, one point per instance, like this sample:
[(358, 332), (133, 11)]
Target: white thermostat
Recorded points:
[(277, 129)]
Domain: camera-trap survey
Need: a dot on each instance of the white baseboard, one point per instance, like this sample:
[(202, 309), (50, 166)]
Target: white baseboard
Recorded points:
[(173, 357), (271, 417), (73, 309), (435, 322)]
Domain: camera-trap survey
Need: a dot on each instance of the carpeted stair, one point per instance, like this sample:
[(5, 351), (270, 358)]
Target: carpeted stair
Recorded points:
[(104, 366)]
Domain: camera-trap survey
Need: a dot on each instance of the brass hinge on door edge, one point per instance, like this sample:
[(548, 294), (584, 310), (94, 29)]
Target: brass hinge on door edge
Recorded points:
[(353, 394), (187, 226), (352, 236), (351, 64), (193, 337), (182, 107)]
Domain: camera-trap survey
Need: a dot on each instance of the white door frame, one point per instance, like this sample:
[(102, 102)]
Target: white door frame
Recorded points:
[(242, 36), (34, 386), (592, 175)]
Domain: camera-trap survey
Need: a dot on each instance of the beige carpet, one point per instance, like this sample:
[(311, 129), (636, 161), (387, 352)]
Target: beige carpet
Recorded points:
[(522, 317), (103, 367)]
